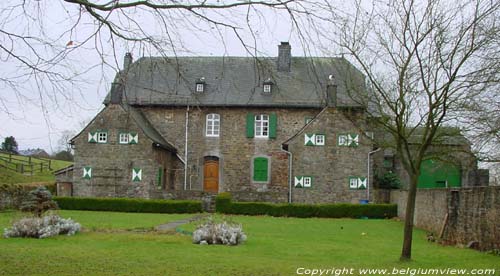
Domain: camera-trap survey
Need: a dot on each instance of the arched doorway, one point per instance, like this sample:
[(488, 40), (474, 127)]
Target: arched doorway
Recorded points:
[(211, 174)]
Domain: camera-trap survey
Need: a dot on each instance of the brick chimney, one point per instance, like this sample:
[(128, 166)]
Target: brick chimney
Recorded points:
[(127, 60), (284, 57)]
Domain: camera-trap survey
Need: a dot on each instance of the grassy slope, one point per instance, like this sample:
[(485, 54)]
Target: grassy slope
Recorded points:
[(11, 177), (275, 246)]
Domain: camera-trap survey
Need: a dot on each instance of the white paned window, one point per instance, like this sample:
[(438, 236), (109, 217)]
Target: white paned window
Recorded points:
[(200, 87), (267, 88), (320, 140), (262, 125), (213, 125), (307, 181), (123, 139), (102, 137)]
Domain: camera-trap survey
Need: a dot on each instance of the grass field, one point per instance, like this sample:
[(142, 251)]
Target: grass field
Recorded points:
[(275, 246), (12, 177)]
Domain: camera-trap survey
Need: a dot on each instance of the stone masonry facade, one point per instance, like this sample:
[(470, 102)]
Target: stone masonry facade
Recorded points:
[(112, 163), (332, 165)]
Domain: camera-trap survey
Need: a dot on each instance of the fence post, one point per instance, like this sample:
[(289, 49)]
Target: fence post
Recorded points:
[(22, 168), (32, 169), (41, 167), (29, 159), (50, 162)]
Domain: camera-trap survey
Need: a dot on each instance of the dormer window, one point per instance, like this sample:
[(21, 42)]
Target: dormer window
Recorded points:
[(267, 86), (200, 85)]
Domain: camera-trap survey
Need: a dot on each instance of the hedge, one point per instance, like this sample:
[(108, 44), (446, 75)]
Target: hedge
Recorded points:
[(225, 205), (129, 205)]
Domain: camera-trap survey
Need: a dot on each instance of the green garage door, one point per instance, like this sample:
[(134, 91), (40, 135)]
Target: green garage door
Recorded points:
[(438, 174)]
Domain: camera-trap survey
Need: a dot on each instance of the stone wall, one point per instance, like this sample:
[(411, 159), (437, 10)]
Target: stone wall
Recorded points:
[(12, 196), (431, 207), (112, 163), (331, 166), (234, 150), (470, 216)]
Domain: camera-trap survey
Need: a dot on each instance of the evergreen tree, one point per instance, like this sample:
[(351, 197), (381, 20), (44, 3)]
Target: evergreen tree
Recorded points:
[(10, 144)]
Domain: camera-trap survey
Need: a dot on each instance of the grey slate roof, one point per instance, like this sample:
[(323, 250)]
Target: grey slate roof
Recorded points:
[(148, 129), (237, 81)]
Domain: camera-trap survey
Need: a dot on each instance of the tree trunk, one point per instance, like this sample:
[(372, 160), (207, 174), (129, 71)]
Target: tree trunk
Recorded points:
[(410, 213)]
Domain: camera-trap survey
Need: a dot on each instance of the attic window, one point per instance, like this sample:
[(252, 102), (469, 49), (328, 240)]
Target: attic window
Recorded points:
[(267, 86), (200, 85)]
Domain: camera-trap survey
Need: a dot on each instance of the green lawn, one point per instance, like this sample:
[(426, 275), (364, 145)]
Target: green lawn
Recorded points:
[(12, 177), (275, 246)]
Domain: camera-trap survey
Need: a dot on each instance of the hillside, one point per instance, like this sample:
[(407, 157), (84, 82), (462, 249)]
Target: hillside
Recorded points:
[(22, 169)]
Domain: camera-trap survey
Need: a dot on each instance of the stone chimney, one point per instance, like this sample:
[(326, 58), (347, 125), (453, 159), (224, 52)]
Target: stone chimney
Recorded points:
[(331, 92), (284, 57), (116, 93), (127, 60)]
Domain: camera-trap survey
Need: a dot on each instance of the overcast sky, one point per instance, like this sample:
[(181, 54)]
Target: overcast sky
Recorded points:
[(36, 114)]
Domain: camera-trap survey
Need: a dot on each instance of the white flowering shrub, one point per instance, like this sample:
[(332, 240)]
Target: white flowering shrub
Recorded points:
[(43, 227), (212, 232)]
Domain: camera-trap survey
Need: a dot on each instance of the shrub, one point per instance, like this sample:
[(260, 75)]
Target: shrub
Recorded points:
[(212, 232), (341, 210), (129, 205), (388, 180), (222, 202), (42, 227), (38, 202)]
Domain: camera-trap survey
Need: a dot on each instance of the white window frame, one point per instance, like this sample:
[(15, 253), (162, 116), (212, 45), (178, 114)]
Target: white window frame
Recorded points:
[(267, 88), (212, 128), (307, 182), (319, 140), (261, 126), (102, 137), (200, 87), (123, 138)]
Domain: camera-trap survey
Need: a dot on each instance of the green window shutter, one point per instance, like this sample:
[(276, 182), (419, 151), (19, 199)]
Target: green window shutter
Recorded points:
[(273, 122), (136, 174), (133, 138), (92, 137), (250, 125), (260, 169), (87, 172), (160, 176)]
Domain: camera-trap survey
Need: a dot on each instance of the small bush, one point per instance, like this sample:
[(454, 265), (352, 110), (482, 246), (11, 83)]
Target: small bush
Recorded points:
[(388, 180), (222, 202), (42, 227), (38, 202), (129, 205), (212, 232), (341, 210)]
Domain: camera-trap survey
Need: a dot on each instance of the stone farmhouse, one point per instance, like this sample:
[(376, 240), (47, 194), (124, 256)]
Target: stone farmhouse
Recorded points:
[(284, 129)]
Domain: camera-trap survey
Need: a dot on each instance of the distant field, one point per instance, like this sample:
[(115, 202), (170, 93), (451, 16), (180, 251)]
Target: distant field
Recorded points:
[(12, 177), (275, 246)]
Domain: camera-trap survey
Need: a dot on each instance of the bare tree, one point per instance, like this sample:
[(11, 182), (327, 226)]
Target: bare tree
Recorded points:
[(63, 144), (43, 42), (422, 61)]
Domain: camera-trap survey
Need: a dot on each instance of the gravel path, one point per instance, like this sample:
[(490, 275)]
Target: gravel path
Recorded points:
[(174, 224)]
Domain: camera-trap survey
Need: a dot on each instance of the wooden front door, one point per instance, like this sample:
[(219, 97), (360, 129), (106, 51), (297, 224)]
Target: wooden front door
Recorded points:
[(211, 176)]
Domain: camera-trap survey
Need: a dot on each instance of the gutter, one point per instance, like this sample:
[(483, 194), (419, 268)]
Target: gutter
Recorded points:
[(290, 161), (186, 149), (368, 174)]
